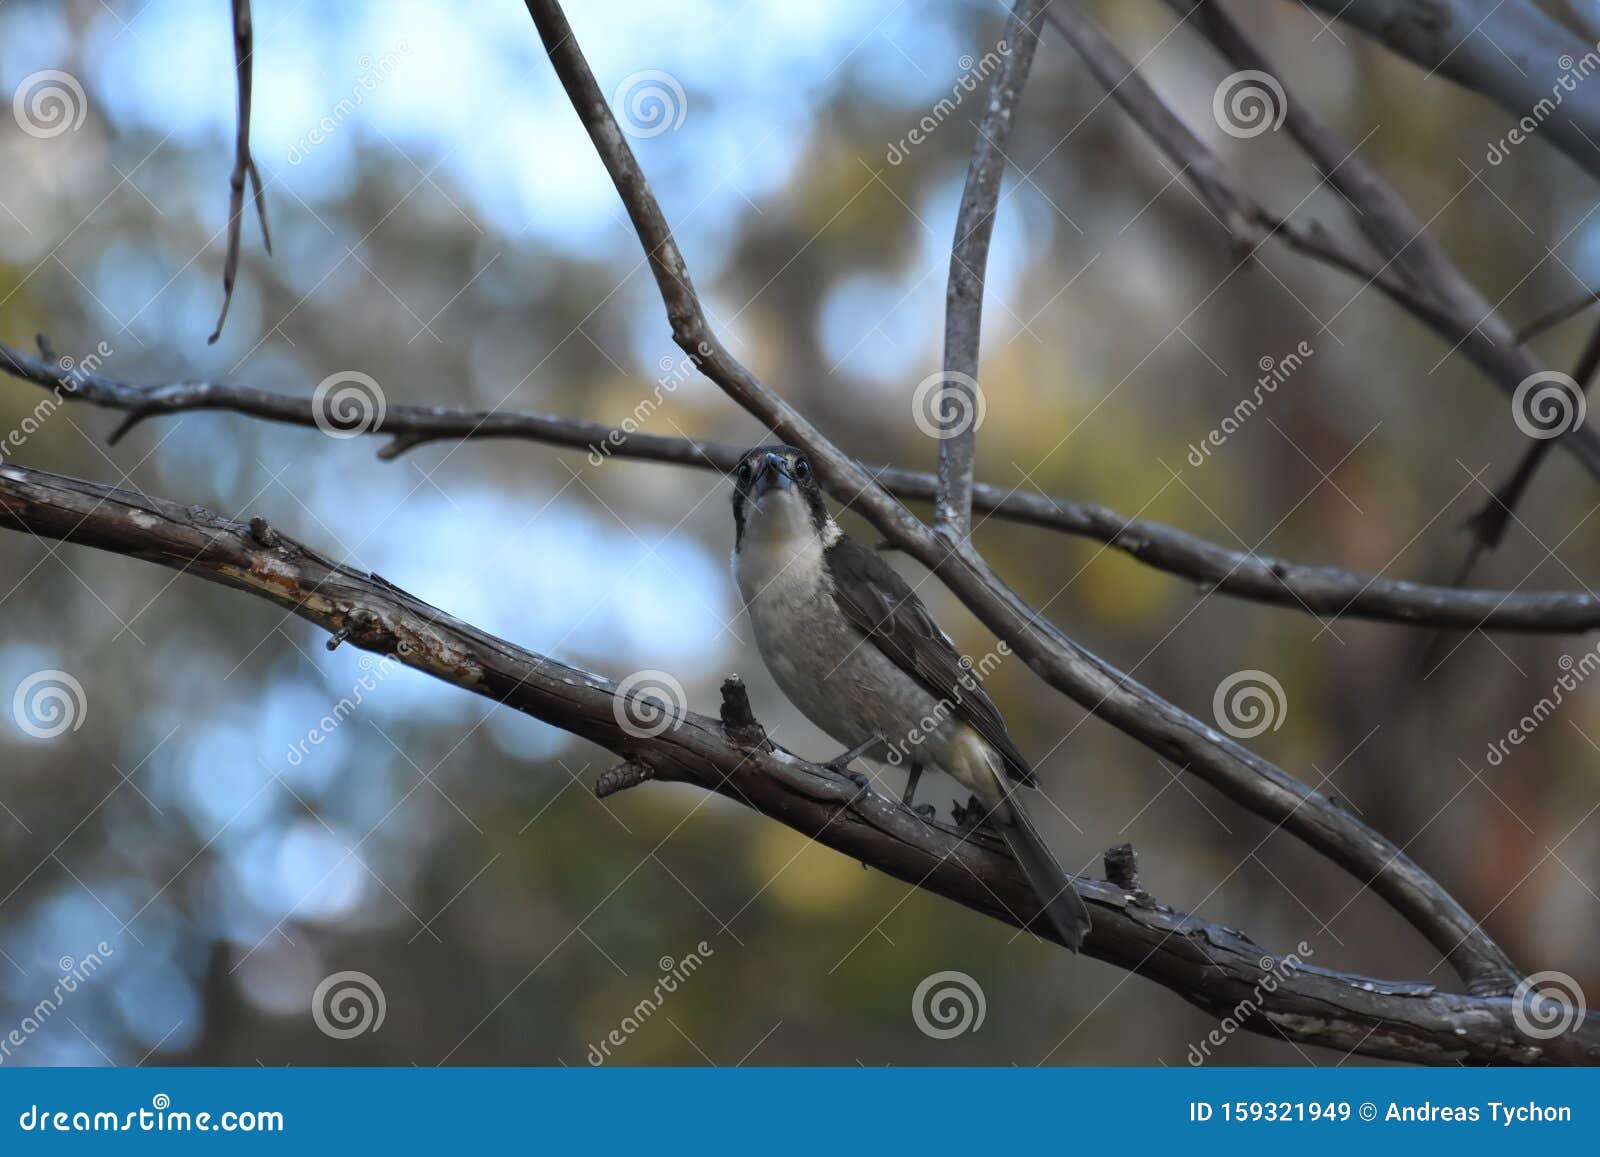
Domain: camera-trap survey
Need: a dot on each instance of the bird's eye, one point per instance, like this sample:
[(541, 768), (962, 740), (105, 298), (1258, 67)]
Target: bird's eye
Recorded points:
[(744, 472), (802, 469)]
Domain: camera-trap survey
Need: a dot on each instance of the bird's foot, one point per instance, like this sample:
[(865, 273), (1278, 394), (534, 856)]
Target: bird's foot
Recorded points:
[(971, 817), (927, 811), (841, 763)]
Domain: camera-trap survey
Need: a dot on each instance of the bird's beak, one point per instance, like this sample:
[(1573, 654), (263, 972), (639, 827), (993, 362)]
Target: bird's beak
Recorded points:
[(771, 474)]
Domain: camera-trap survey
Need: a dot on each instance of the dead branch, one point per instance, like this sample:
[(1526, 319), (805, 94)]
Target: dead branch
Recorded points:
[(1317, 590), (1213, 967), (960, 401), (1100, 688), (243, 163)]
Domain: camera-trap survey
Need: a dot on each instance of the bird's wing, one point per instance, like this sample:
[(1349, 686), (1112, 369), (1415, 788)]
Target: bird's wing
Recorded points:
[(884, 608)]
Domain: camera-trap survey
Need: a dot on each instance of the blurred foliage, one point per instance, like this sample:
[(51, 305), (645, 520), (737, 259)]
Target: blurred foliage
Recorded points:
[(456, 240)]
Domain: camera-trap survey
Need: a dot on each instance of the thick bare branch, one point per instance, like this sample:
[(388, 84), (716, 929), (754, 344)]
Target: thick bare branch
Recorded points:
[(1099, 687), (1317, 590), (1215, 968), (244, 164), (960, 399)]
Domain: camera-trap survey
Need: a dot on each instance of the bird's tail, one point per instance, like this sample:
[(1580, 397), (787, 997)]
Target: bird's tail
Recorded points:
[(1059, 902), (975, 764)]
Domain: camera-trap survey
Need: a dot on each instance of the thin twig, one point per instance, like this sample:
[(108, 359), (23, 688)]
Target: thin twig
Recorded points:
[(244, 164), (1548, 321), (1328, 591), (1424, 283)]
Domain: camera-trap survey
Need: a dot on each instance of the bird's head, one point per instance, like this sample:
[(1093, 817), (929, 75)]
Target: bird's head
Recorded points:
[(776, 498)]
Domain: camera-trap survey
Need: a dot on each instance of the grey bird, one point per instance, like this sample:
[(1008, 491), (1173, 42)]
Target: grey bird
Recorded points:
[(855, 650)]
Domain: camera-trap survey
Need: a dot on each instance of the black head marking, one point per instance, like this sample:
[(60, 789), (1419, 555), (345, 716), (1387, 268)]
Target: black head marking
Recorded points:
[(771, 467)]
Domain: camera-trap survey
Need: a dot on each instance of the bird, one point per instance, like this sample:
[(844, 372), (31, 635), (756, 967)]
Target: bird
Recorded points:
[(852, 646)]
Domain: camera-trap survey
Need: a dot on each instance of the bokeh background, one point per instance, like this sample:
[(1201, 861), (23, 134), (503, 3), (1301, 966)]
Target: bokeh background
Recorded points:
[(454, 237)]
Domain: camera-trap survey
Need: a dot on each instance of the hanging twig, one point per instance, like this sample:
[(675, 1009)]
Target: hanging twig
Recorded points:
[(243, 163)]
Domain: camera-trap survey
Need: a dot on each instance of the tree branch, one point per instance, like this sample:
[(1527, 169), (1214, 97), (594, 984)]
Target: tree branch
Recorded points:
[(1417, 274), (1508, 51), (1103, 690), (243, 163), (1317, 590), (960, 401), (1215, 968), (1383, 215)]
